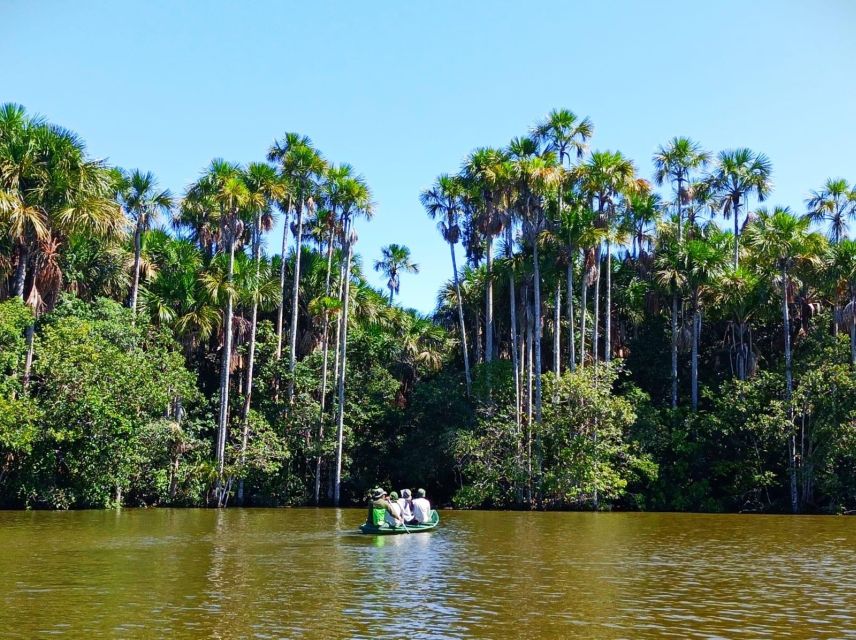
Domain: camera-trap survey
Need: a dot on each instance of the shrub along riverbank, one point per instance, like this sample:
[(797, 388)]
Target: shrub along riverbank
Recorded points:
[(601, 347)]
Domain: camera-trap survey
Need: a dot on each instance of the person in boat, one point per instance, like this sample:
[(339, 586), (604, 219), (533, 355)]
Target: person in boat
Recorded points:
[(379, 506), (406, 504), (421, 508), (393, 513)]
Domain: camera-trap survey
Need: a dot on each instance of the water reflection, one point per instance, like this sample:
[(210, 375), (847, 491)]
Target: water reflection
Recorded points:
[(295, 573)]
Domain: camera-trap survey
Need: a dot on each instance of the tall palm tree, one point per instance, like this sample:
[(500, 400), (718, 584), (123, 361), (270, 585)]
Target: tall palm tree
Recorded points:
[(780, 239), (395, 259), (443, 201), (482, 172), (671, 276), (566, 135), (143, 202), (738, 296), (737, 174), (606, 176), (303, 165), (277, 153), (356, 201), (536, 176), (224, 187)]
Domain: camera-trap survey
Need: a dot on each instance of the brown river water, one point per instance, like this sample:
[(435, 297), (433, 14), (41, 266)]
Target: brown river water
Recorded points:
[(305, 573)]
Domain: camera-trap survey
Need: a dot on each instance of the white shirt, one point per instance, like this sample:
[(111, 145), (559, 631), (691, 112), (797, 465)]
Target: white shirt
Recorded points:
[(389, 518), (406, 512), (422, 510)]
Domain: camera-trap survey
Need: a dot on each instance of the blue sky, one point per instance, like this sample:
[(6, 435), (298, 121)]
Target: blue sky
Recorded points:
[(403, 91)]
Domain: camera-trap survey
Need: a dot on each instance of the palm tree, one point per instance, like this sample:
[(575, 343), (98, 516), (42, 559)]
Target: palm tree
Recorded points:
[(738, 296), (566, 135), (780, 239), (536, 176), (224, 187), (483, 173), (394, 260), (303, 166), (277, 153), (264, 187), (606, 176), (737, 174), (675, 162), (443, 200), (356, 200), (142, 202), (835, 204)]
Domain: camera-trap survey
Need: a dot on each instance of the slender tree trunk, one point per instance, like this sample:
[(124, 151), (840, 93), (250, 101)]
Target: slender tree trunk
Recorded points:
[(461, 321), (251, 357), (536, 289), (853, 337), (607, 313), (515, 360), (20, 275), (488, 304), (225, 363), (343, 348), (557, 332), (736, 212), (280, 310), (295, 295), (674, 347), (529, 377), (572, 364), (786, 325), (326, 350), (29, 334), (138, 249), (694, 364), (583, 312), (596, 302), (478, 337)]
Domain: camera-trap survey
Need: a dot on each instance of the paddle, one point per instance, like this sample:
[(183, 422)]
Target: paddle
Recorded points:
[(405, 527)]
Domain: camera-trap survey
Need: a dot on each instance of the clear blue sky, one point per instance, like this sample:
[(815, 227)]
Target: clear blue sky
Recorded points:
[(403, 91)]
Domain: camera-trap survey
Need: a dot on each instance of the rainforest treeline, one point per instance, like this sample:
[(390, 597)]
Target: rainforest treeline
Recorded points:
[(617, 336)]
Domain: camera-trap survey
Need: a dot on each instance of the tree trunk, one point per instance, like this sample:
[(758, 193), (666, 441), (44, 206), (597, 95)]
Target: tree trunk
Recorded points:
[(786, 325), (251, 356), (280, 310), (295, 296), (488, 304), (29, 334), (138, 249), (557, 331), (536, 290), (853, 339), (694, 365), (583, 312), (20, 276), (596, 302), (529, 349), (736, 212), (515, 359), (607, 312), (461, 321), (326, 350), (343, 348), (674, 346), (477, 337), (224, 371), (572, 364)]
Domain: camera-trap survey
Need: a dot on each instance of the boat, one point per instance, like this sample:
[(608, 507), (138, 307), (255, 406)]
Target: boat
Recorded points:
[(386, 530)]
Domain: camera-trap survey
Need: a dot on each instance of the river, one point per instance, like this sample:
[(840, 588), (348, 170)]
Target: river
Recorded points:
[(305, 573)]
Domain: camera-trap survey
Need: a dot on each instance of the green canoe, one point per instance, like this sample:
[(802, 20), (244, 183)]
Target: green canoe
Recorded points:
[(386, 530)]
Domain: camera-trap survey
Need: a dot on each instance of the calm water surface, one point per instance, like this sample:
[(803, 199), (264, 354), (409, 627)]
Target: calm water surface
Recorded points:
[(303, 573)]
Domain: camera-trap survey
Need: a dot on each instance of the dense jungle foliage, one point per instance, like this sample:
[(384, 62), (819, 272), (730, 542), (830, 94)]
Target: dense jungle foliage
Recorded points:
[(605, 344)]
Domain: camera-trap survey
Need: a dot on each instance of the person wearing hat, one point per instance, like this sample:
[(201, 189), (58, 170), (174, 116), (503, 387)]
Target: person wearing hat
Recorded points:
[(406, 504), (393, 512), (378, 508), (421, 508)]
